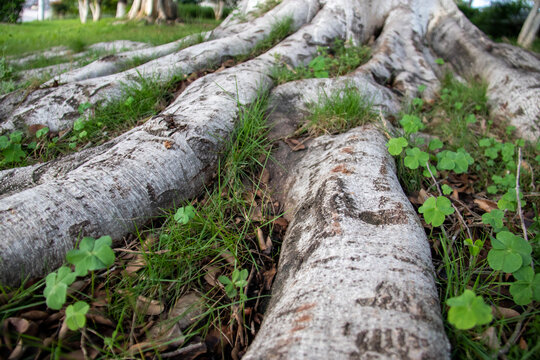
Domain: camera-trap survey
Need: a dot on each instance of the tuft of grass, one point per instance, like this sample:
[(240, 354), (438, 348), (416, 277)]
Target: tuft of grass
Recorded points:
[(279, 31), (339, 112), (336, 60)]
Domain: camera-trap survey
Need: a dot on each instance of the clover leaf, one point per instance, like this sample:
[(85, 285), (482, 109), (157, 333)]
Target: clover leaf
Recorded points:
[(411, 123), (395, 145), (56, 285), (457, 161), (435, 144), (184, 214), (494, 218), (439, 61), (415, 157), (509, 200), (468, 310), (230, 289), (76, 315), (91, 255), (509, 252), (436, 209), (447, 190), (527, 286), (470, 119), (475, 247)]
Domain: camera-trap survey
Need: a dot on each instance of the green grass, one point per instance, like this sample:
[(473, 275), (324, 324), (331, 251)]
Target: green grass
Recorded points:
[(279, 31), (26, 37), (339, 112), (176, 256), (335, 60), (97, 124)]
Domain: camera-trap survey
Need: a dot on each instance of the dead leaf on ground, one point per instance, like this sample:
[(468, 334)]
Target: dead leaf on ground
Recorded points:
[(35, 315), (281, 222), (295, 145), (486, 205), (523, 344), (228, 257), (504, 313), (148, 306), (100, 319), (137, 264), (490, 338), (265, 177), (166, 332), (422, 196), (187, 309), (342, 168), (260, 238), (211, 275), (269, 277)]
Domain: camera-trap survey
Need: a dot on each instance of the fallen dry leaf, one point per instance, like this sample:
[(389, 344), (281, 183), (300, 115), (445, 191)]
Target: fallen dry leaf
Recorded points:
[(137, 264), (490, 338), (282, 222), (211, 275), (167, 144), (523, 344), (260, 238), (295, 145), (486, 205), (228, 257), (342, 169), (269, 277), (187, 309), (265, 177), (100, 319), (35, 315), (504, 313), (149, 306)]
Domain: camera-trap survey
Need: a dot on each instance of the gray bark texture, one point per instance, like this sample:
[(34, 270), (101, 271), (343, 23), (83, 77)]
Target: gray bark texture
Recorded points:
[(355, 276)]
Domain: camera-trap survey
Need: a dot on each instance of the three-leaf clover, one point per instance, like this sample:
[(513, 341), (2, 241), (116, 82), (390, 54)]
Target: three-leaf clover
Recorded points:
[(318, 65), (494, 218), (91, 255), (475, 247), (395, 145), (238, 281), (435, 144), (76, 315), (457, 161), (527, 286), (509, 252), (436, 209), (184, 214), (439, 61), (415, 157), (411, 123), (56, 287), (446, 190), (509, 200), (468, 310)]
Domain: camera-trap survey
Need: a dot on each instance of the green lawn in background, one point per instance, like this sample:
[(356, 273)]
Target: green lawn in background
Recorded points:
[(26, 37)]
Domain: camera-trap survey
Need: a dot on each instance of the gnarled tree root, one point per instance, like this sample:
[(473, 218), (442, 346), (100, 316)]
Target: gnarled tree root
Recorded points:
[(355, 277)]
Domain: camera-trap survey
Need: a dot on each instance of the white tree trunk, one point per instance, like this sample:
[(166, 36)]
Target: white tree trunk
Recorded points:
[(121, 9), (218, 9), (83, 10), (530, 27), (95, 7)]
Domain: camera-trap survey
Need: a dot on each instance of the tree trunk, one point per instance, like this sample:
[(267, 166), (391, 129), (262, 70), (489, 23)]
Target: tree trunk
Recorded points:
[(95, 7), (121, 9), (83, 10), (218, 9), (153, 10), (345, 204), (530, 27)]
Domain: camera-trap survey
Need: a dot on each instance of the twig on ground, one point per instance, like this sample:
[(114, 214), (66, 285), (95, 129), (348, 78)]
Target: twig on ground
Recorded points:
[(520, 212)]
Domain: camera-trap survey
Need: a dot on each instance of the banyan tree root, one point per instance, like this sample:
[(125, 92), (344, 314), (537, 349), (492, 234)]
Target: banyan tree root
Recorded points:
[(165, 161), (57, 107), (355, 278)]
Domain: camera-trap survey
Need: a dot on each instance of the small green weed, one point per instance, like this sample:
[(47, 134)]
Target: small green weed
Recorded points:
[(6, 77), (494, 261), (335, 60)]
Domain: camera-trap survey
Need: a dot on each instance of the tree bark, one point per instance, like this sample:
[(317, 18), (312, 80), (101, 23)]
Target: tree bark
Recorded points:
[(355, 277), (530, 27), (95, 7), (121, 9), (83, 10), (345, 204), (153, 10)]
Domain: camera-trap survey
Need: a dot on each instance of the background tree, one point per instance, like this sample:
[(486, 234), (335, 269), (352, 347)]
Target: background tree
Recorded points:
[(530, 27), (10, 10)]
